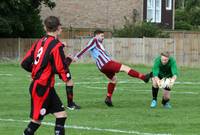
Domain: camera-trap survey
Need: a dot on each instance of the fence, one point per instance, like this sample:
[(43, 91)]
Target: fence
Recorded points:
[(127, 50)]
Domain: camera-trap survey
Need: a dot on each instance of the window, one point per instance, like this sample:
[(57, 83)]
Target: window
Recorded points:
[(168, 4), (154, 10)]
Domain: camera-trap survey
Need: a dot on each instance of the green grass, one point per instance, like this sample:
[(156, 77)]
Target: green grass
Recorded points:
[(131, 99)]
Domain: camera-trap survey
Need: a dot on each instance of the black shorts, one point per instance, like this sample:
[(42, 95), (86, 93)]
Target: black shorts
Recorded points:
[(161, 76), (44, 100)]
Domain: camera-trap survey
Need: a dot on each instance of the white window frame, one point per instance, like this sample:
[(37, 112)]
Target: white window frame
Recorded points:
[(154, 10), (168, 4)]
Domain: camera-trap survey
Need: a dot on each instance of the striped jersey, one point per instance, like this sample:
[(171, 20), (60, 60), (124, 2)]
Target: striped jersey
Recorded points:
[(45, 59), (97, 51)]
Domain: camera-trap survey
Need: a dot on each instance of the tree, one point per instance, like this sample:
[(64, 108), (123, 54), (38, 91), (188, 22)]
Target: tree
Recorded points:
[(179, 4), (20, 18), (188, 4), (188, 15), (37, 3), (191, 4)]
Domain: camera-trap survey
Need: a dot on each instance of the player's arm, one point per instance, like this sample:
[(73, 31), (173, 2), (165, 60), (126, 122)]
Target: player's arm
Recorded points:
[(68, 60), (91, 44), (174, 77), (156, 70), (174, 72), (27, 62), (174, 69), (59, 62)]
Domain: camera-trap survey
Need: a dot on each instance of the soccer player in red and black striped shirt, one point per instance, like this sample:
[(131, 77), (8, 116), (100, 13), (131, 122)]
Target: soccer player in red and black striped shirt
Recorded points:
[(45, 59)]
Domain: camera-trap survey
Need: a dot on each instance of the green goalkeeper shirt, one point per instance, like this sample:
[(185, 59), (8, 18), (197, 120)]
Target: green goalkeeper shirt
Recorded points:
[(167, 70)]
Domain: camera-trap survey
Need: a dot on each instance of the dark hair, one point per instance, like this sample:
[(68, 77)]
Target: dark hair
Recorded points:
[(98, 31), (52, 23), (166, 54)]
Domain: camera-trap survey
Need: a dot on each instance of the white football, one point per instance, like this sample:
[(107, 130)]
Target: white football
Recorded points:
[(165, 82)]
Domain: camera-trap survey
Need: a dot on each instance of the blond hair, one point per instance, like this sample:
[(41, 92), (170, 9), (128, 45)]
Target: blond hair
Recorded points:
[(166, 54)]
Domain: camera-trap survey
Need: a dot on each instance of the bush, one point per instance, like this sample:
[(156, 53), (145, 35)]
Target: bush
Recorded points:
[(187, 19), (139, 30), (146, 29), (182, 15), (182, 25), (195, 17)]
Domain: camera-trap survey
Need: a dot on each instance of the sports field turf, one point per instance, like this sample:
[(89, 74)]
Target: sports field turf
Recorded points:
[(131, 113)]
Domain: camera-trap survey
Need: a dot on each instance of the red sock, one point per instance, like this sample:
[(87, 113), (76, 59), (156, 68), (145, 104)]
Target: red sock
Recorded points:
[(136, 74), (111, 88)]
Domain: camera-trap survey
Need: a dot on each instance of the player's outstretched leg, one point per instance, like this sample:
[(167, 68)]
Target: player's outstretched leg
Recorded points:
[(71, 105), (147, 77), (136, 74), (110, 90)]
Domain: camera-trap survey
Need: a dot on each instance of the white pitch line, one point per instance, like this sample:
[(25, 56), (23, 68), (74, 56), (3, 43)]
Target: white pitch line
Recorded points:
[(125, 82), (87, 128), (120, 82), (188, 92), (6, 74), (97, 88), (135, 90)]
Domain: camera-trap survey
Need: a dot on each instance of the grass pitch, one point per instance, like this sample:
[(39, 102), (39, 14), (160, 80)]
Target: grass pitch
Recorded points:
[(131, 113)]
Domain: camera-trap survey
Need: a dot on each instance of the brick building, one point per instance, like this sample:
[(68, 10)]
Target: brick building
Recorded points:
[(86, 15)]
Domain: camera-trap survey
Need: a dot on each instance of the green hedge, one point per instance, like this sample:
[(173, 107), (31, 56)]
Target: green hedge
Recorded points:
[(139, 30)]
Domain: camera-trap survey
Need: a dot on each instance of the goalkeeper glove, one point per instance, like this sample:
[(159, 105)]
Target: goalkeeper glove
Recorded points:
[(172, 81)]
